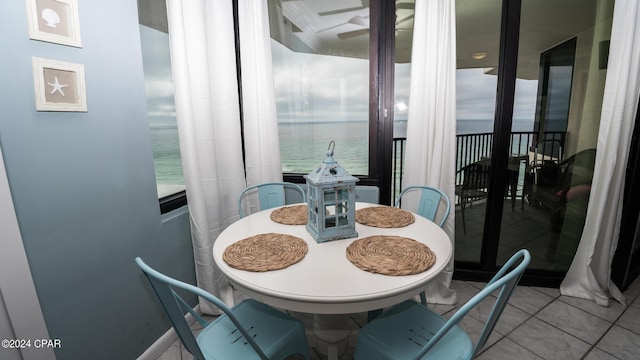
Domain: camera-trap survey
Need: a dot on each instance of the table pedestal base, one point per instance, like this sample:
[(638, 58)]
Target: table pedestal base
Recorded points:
[(332, 335)]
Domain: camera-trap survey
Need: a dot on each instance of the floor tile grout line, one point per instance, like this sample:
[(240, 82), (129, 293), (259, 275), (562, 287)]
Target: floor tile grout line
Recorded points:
[(553, 326), (506, 336), (595, 345), (591, 346), (598, 316), (626, 328)]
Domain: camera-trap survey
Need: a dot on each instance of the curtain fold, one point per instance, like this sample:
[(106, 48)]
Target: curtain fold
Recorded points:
[(208, 113), (589, 274), (431, 124), (261, 141)]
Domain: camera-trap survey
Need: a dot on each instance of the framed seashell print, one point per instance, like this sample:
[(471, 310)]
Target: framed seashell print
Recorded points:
[(54, 21)]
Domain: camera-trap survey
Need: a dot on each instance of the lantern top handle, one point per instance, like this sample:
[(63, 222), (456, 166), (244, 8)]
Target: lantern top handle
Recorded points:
[(332, 146)]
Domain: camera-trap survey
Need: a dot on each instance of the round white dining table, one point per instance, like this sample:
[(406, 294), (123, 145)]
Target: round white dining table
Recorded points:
[(325, 281)]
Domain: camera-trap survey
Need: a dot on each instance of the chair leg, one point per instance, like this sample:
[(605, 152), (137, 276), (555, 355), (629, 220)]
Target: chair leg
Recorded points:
[(464, 225)]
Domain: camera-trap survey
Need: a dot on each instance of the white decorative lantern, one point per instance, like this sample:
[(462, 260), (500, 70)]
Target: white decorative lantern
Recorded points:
[(331, 201)]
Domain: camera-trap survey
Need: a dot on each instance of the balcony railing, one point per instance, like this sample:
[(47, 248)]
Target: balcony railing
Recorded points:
[(473, 147)]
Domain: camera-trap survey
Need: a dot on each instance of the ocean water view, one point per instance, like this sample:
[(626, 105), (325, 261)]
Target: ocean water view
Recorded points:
[(166, 160), (303, 147)]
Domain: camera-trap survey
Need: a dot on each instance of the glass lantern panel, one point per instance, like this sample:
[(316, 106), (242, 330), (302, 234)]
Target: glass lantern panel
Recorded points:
[(312, 217), (329, 222), (313, 205), (329, 196), (342, 220), (330, 209), (341, 208), (343, 194)]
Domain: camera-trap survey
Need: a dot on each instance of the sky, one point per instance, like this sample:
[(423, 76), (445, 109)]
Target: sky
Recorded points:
[(157, 76), (329, 88), (310, 88), (336, 88)]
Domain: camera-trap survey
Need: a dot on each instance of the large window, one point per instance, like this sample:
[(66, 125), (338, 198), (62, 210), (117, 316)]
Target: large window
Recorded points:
[(321, 98), (161, 110), (333, 68), (321, 70), (160, 102)]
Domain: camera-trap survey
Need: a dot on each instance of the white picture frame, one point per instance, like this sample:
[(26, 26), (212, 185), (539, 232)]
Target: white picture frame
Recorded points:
[(54, 21), (59, 85)]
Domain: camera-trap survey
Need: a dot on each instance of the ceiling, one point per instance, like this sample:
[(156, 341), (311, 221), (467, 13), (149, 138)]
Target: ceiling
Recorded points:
[(153, 14), (340, 27)]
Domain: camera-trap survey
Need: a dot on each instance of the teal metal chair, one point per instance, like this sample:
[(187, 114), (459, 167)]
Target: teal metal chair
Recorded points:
[(271, 194), (412, 331), (249, 330), (430, 201)]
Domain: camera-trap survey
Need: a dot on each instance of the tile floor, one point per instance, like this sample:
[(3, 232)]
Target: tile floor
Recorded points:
[(538, 323)]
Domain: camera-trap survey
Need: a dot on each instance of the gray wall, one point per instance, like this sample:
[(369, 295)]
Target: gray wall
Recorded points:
[(83, 186)]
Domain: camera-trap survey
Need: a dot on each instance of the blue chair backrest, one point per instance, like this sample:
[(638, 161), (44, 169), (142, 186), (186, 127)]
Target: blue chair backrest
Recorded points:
[(175, 306), (504, 280), (429, 202), (368, 194), (270, 194)]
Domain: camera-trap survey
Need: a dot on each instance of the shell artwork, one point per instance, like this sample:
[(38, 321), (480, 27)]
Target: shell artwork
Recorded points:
[(51, 17)]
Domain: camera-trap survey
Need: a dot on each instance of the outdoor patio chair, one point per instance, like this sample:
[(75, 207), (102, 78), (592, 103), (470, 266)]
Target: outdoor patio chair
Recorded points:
[(271, 194), (248, 330), (474, 187), (412, 331), (543, 167)]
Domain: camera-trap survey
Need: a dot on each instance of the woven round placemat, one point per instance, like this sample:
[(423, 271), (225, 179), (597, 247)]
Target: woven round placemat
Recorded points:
[(384, 217), (290, 215), (265, 252), (390, 255)]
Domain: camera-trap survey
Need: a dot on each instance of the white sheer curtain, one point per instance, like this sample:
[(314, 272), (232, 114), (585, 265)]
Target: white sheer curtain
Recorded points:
[(589, 274), (262, 146), (431, 126), (208, 112)]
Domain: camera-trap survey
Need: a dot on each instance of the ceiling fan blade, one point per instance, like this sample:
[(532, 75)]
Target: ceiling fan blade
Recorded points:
[(340, 11), (356, 20), (331, 27), (406, 18), (352, 34), (405, 5), (359, 20)]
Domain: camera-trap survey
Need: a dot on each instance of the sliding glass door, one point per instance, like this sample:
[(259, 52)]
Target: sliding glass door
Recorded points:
[(524, 180), (478, 57)]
